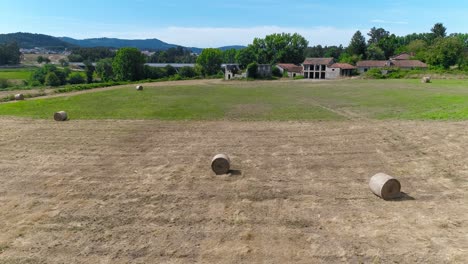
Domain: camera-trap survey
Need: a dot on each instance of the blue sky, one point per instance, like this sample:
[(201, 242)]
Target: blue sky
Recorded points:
[(206, 23)]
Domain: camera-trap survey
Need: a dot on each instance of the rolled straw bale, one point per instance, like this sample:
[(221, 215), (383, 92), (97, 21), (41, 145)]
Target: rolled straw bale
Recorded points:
[(385, 186), (426, 79), (60, 116), (139, 88), (19, 97), (220, 164)]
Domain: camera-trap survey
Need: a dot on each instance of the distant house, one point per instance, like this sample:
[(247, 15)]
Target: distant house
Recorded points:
[(364, 66), (337, 70), (231, 71), (264, 70), (325, 68), (292, 69)]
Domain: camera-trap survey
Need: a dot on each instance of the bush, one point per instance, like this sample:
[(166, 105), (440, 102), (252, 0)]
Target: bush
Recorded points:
[(170, 70), (299, 77), (187, 72), (252, 69), (396, 73), (76, 78), (374, 73), (51, 79), (276, 72), (4, 83)]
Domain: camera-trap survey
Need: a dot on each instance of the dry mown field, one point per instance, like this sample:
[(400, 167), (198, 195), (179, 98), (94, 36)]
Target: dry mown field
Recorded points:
[(143, 192)]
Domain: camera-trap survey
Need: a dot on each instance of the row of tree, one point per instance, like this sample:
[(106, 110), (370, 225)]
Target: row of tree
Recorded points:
[(10, 54), (435, 48)]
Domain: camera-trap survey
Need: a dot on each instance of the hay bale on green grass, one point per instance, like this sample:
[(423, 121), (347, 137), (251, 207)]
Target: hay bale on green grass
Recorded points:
[(19, 97), (139, 88), (385, 186), (426, 79), (60, 116), (220, 164)]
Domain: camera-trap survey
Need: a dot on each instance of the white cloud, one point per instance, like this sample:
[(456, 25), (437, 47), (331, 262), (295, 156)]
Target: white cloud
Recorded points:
[(221, 36)]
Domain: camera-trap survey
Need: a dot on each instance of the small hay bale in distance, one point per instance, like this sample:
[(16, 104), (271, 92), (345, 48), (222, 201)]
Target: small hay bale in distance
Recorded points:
[(220, 164), (426, 79), (385, 186), (60, 116), (19, 97), (139, 88)]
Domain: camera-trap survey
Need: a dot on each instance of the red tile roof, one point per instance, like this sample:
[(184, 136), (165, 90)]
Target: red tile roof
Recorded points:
[(290, 67), (343, 66), (396, 63), (318, 61), (409, 64), (372, 63), (403, 56)]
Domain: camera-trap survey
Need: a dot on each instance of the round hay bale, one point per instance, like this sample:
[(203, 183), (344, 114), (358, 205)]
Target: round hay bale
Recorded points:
[(385, 186), (426, 79), (220, 164), (19, 97), (139, 88), (60, 116)]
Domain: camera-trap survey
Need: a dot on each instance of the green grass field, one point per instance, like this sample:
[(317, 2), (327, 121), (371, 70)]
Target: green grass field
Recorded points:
[(16, 74), (295, 100)]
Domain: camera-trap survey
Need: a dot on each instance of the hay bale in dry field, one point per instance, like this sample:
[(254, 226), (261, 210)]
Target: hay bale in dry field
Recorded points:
[(139, 88), (385, 186), (19, 97), (220, 164), (60, 116), (426, 79)]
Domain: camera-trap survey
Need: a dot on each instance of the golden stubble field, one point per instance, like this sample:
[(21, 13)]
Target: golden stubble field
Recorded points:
[(143, 192)]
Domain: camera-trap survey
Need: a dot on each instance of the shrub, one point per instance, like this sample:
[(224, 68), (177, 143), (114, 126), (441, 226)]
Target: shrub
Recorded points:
[(4, 83), (276, 72), (299, 77), (252, 69), (170, 70), (187, 72), (76, 78), (51, 79), (374, 73)]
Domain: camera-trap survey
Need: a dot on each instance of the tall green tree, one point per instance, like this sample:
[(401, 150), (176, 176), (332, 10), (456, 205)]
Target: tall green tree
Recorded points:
[(282, 47), (357, 45), (104, 69), (374, 52), (10, 54), (376, 35), (210, 60), (128, 64), (229, 56), (439, 31), (445, 52), (246, 56), (89, 70)]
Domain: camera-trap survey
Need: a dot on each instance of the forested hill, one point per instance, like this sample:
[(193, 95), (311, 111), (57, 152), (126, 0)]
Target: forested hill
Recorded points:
[(29, 41), (143, 44)]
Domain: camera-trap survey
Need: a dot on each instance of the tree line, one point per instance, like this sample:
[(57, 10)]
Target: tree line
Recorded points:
[(435, 48)]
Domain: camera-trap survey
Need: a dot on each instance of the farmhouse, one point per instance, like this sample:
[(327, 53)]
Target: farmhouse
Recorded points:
[(291, 69), (401, 61), (325, 68), (231, 71)]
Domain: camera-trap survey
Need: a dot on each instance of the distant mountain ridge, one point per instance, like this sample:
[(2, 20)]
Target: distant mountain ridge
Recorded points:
[(30, 40)]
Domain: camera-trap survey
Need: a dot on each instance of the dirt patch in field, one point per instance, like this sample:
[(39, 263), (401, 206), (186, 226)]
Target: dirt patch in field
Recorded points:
[(143, 192)]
